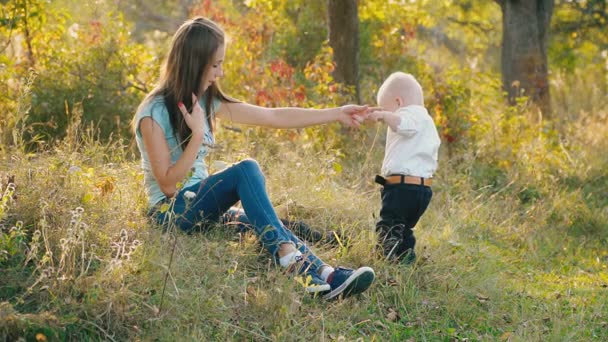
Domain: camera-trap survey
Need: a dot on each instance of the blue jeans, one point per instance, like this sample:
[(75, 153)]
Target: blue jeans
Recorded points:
[(216, 194)]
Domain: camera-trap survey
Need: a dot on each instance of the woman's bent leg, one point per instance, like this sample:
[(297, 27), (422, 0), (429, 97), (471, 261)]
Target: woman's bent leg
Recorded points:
[(251, 189), (243, 181), (239, 218)]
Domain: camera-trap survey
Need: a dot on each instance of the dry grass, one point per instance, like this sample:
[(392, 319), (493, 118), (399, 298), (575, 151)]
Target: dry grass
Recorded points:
[(503, 255)]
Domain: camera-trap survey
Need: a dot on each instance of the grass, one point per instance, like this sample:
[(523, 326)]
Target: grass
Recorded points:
[(501, 257)]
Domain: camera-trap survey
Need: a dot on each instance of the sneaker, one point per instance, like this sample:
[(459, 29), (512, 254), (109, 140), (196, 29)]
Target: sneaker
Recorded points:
[(408, 258), (312, 285), (315, 285), (348, 282)]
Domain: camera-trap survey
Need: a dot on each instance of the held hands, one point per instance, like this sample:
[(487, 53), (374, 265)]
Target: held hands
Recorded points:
[(378, 114), (195, 119), (353, 115)]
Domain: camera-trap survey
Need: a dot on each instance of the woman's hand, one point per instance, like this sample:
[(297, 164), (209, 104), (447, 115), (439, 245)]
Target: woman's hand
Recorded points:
[(196, 119), (353, 115)]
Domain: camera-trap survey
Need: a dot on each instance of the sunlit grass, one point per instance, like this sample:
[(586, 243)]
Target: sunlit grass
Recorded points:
[(511, 260)]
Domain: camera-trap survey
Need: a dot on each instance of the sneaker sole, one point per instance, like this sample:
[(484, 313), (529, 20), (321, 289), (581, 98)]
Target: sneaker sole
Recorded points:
[(318, 289), (359, 281)]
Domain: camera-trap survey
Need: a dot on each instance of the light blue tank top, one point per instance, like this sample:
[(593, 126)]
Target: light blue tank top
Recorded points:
[(157, 110)]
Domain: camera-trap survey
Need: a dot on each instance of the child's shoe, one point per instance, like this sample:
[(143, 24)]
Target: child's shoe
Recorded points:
[(408, 258)]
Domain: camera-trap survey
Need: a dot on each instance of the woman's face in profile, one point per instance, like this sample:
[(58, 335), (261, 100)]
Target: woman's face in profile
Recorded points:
[(215, 69)]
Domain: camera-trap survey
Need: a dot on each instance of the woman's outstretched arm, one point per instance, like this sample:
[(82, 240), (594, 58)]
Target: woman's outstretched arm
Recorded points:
[(290, 117)]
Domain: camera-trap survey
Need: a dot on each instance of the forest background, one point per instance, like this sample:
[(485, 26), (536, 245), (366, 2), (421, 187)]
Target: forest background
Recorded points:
[(514, 246)]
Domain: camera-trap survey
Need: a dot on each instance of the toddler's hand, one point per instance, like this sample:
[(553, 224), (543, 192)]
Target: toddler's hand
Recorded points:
[(375, 116)]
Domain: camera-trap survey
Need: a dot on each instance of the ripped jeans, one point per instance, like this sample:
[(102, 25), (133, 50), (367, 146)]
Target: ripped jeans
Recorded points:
[(216, 194)]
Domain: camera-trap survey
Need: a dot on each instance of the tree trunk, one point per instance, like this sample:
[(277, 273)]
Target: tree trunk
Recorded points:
[(344, 39), (28, 36), (524, 50)]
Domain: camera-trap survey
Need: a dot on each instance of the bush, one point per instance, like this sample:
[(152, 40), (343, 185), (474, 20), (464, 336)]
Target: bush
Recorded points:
[(65, 66)]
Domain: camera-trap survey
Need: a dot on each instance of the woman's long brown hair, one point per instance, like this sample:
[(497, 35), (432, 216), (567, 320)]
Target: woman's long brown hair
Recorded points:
[(191, 55)]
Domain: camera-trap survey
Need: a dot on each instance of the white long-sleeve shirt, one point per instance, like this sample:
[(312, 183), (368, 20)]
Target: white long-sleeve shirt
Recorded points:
[(413, 149)]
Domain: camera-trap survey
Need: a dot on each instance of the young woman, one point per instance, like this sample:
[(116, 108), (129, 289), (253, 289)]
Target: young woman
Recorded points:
[(174, 128)]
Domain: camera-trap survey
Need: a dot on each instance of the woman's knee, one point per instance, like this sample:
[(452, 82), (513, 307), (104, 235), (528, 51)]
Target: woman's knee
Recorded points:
[(250, 166)]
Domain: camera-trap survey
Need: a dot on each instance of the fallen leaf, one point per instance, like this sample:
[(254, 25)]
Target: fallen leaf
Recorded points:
[(106, 185), (380, 324), (482, 298), (393, 315), (506, 336), (251, 291)]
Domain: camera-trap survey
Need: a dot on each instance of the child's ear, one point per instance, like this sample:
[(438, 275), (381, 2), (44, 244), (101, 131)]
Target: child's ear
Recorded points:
[(399, 101)]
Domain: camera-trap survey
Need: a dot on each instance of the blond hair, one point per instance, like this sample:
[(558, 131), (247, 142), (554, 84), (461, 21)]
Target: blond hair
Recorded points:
[(402, 85)]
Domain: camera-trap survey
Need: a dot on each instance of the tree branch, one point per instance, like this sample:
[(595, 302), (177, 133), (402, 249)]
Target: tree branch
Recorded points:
[(440, 37), (476, 24), (28, 37), (10, 32)]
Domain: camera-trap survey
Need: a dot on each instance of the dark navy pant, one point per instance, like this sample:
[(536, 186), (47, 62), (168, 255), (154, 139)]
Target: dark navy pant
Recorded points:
[(402, 207)]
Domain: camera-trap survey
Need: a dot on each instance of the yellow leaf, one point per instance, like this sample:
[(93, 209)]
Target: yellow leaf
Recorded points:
[(164, 207), (337, 167), (106, 185), (299, 280), (88, 197)]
